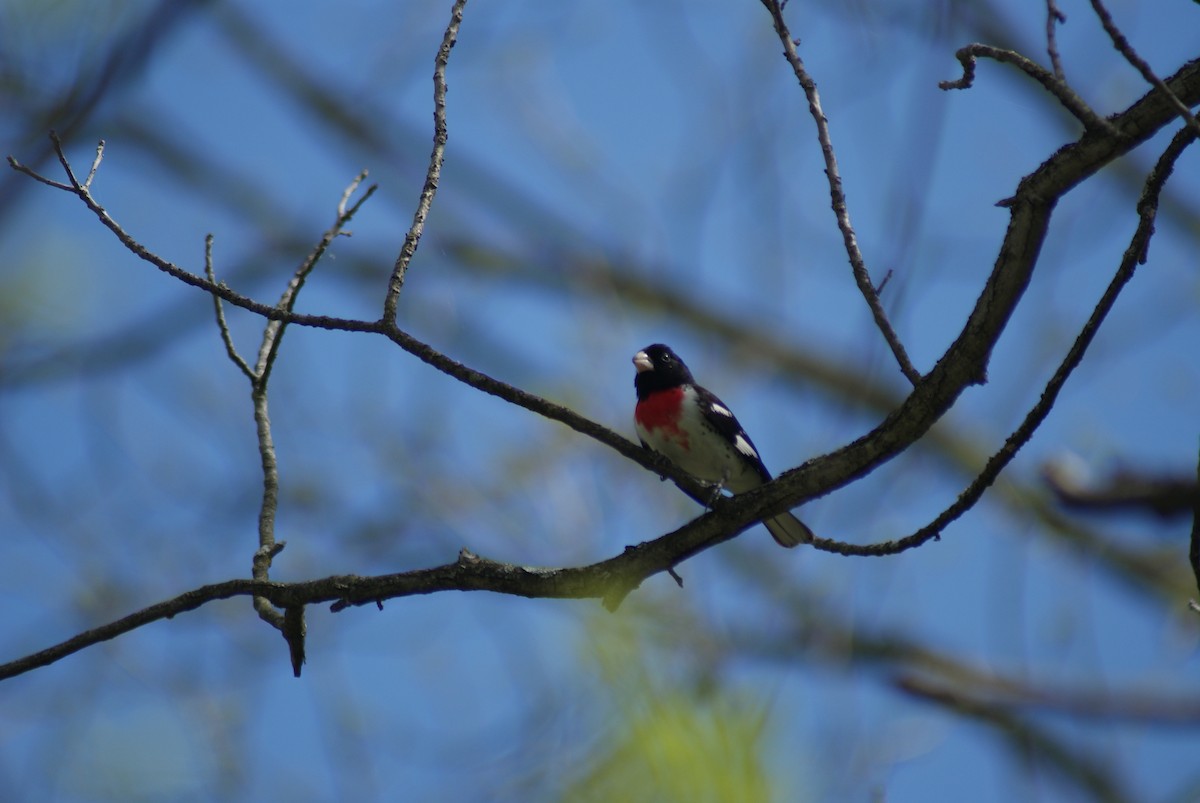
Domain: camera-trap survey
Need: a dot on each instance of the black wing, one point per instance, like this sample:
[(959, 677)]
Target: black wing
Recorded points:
[(721, 418)]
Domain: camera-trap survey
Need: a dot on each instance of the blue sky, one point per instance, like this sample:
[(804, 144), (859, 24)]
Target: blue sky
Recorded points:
[(590, 142)]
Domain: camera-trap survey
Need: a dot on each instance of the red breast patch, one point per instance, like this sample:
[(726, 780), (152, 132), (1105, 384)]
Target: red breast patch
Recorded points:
[(661, 410)]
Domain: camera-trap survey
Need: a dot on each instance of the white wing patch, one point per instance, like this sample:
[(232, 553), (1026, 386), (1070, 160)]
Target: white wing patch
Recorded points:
[(719, 410), (743, 445)]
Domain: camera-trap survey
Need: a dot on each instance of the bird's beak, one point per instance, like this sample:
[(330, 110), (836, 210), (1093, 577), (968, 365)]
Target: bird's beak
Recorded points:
[(642, 362)]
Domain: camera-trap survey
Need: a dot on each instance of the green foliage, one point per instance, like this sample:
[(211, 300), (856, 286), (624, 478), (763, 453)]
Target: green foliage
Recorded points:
[(670, 738)]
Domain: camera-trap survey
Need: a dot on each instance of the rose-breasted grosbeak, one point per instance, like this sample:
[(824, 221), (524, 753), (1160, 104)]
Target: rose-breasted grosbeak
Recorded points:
[(694, 429)]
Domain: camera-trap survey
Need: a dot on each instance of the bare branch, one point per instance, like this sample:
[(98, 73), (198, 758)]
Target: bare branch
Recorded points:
[(609, 581), (95, 165), (887, 277), (1054, 17), (259, 377), (405, 341), (66, 165), (291, 622), (1059, 89), (536, 404), (273, 333), (348, 193), (433, 174), (1122, 45), (36, 176), (964, 363), (1134, 255), (268, 548), (222, 324), (858, 266)]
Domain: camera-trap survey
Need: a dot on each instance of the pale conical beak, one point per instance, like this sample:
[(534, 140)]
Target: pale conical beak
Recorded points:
[(642, 362)]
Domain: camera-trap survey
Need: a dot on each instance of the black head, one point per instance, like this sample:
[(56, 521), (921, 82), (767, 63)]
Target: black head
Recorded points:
[(659, 368)]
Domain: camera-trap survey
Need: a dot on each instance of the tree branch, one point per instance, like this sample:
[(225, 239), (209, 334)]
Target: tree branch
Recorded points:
[(1134, 255), (964, 363), (1054, 18), (422, 351), (1125, 49), (609, 581), (273, 333), (1050, 81), (219, 311), (434, 172), (858, 266), (290, 622)]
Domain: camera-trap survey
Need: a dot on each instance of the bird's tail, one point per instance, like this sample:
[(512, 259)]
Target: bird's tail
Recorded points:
[(788, 531)]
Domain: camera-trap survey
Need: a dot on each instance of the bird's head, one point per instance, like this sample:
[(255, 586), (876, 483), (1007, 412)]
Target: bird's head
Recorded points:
[(659, 368)]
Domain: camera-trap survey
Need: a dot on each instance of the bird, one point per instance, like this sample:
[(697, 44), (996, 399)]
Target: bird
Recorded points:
[(695, 430)]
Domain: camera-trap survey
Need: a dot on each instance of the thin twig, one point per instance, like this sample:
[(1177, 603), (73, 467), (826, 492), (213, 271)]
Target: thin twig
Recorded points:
[(422, 351), (36, 176), (95, 165), (434, 172), (1054, 17), (268, 547), (858, 266), (222, 325), (1122, 45), (1059, 89), (1135, 254), (273, 333), (66, 165), (887, 277)]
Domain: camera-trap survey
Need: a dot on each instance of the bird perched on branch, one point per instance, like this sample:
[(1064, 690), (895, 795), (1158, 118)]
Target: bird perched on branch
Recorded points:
[(694, 429)]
